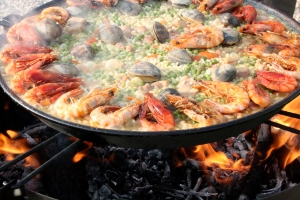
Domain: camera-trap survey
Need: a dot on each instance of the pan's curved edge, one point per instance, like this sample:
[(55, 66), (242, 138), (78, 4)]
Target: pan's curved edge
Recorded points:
[(164, 139)]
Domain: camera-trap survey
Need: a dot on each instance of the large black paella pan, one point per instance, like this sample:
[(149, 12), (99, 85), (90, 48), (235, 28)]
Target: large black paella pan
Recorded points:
[(160, 139)]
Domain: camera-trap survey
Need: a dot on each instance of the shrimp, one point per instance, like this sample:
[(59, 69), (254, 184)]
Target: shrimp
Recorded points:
[(258, 95), (280, 49), (26, 79), (236, 97), (246, 12), (199, 112), (160, 118), (279, 69), (114, 116), (199, 36), (206, 5), (225, 6), (25, 33), (276, 81), (58, 14), (280, 38), (263, 26), (48, 93), (287, 62), (76, 108), (29, 61)]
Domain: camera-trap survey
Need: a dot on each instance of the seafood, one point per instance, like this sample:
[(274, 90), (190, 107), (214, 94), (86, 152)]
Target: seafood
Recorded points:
[(246, 12), (192, 16), (257, 94), (160, 32), (48, 93), (280, 38), (226, 5), (145, 71), (162, 96), (228, 19), (24, 33), (160, 118), (75, 108), (276, 81), (29, 61), (129, 8), (259, 50), (231, 36), (199, 112), (111, 34), (287, 62), (48, 29), (206, 5), (199, 36), (180, 56), (225, 72), (113, 116), (12, 52), (236, 97), (263, 26), (58, 14), (83, 52), (26, 79), (79, 2), (279, 69)]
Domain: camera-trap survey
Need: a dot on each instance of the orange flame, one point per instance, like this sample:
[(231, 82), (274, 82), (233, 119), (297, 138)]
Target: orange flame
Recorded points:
[(290, 140), (210, 158), (11, 146), (80, 155)]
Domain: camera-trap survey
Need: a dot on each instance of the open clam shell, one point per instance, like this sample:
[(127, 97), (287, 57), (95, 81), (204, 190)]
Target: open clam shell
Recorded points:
[(145, 71)]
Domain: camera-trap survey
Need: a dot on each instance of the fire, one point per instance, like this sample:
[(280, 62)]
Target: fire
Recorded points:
[(211, 158), (11, 145), (80, 155), (286, 138)]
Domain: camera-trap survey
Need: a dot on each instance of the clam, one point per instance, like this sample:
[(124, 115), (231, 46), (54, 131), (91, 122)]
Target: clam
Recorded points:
[(181, 3), (162, 96), (225, 73), (180, 56), (193, 16), (49, 29), (83, 52), (229, 19), (145, 71), (63, 68), (160, 32), (74, 11), (76, 25), (231, 36), (129, 8), (111, 34)]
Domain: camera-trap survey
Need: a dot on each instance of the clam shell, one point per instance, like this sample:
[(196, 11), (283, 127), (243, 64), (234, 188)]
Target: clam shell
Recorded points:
[(162, 96), (160, 32), (129, 8), (111, 34), (181, 3), (224, 73), (231, 36), (63, 68), (49, 29), (193, 16), (180, 56), (83, 52), (228, 19), (145, 71)]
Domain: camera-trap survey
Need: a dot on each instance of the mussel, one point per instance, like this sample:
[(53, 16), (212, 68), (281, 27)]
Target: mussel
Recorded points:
[(111, 34), (162, 96), (160, 32), (49, 29), (129, 8), (193, 16), (83, 52), (145, 71), (231, 36), (225, 73), (180, 56)]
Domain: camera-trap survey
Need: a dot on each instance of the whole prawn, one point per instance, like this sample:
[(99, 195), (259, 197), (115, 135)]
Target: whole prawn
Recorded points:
[(72, 107), (259, 50), (26, 79), (257, 94), (114, 116), (236, 97), (280, 38), (199, 112), (199, 36), (58, 14), (159, 117)]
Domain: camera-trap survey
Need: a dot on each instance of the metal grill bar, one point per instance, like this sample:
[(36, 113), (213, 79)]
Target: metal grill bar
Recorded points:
[(286, 128), (31, 151), (289, 114)]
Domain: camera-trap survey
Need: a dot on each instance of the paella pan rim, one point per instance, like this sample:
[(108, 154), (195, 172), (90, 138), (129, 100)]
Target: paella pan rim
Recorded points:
[(164, 139)]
